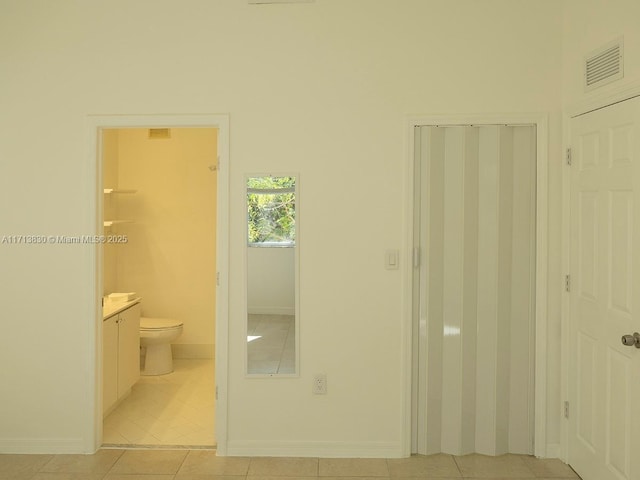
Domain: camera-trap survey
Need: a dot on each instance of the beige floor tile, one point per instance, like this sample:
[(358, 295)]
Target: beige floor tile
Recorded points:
[(164, 409), (113, 438), (260, 477), (353, 467), (99, 462), (199, 438), (17, 466), (149, 462), (196, 476), (67, 476), (558, 478), (355, 478), (206, 462), (503, 466), (440, 465), (438, 477), (138, 477), (283, 467), (549, 467)]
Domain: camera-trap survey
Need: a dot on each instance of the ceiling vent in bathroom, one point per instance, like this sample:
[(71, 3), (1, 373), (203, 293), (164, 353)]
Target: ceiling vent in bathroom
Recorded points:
[(155, 133), (604, 65)]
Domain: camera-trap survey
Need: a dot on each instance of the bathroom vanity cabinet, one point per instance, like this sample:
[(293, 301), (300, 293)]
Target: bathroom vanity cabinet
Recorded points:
[(121, 354)]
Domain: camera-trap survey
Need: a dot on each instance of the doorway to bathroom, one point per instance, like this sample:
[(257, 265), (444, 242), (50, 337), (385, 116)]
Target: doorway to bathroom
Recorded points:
[(160, 198), (479, 286)]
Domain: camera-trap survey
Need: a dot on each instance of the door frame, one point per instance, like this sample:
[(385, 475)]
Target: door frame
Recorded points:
[(589, 104), (93, 196), (540, 120)]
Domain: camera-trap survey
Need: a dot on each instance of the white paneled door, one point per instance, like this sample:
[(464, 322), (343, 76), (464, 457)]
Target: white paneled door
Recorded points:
[(604, 374)]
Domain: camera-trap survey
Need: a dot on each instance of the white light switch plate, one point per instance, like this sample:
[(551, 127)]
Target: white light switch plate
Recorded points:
[(391, 259)]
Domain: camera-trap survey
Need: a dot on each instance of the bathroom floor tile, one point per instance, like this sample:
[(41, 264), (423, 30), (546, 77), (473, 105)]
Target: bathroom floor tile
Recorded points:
[(167, 410)]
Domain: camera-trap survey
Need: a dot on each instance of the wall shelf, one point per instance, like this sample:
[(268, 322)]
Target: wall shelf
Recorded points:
[(109, 223), (118, 190)]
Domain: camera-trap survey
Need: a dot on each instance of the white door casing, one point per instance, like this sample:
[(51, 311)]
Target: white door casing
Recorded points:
[(93, 195), (604, 395)]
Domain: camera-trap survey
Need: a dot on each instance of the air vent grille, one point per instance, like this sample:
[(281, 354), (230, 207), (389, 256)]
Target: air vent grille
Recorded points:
[(604, 65), (156, 133)]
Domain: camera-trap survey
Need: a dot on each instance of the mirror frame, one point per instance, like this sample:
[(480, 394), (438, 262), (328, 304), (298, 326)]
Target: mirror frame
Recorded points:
[(296, 270)]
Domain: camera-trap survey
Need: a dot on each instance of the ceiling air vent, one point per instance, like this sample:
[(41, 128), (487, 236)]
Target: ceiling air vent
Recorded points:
[(604, 65)]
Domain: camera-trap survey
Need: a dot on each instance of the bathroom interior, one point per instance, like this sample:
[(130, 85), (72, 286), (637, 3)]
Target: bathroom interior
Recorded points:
[(159, 287)]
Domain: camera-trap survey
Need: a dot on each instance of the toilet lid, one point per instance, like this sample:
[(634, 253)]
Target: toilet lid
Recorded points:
[(147, 323)]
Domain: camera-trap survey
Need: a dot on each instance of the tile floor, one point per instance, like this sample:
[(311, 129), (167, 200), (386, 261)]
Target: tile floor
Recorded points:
[(271, 344), (113, 464), (176, 409)]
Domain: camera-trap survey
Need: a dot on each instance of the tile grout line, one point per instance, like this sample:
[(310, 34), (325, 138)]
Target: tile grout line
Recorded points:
[(182, 463)]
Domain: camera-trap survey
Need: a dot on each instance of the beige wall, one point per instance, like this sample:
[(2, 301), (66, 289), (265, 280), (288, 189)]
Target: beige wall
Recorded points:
[(323, 89), (169, 259)]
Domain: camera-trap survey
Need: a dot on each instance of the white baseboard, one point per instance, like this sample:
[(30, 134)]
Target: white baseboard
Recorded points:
[(193, 350), (42, 445), (553, 450), (265, 448)]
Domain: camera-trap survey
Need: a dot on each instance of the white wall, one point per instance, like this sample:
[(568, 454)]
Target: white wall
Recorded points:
[(271, 280), (322, 89), (589, 24)]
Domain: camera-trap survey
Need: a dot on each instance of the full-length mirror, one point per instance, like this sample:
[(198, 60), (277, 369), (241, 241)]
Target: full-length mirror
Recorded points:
[(272, 257)]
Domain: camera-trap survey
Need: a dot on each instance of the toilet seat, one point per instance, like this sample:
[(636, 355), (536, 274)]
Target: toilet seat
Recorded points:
[(147, 323)]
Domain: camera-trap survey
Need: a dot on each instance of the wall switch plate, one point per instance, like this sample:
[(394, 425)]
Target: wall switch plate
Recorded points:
[(320, 384), (391, 259)]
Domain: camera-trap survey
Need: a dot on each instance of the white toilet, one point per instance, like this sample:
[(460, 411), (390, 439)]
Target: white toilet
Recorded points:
[(156, 335)]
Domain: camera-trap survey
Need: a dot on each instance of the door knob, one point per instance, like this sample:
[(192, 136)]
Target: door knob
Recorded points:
[(631, 340)]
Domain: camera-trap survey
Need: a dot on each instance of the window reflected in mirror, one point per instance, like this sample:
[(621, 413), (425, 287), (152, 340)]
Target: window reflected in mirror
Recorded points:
[(271, 275)]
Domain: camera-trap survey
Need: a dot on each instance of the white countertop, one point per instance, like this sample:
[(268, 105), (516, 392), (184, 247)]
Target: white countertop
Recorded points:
[(109, 309)]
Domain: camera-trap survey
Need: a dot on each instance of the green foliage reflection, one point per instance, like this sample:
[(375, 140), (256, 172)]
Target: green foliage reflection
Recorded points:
[(271, 210)]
